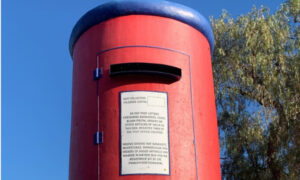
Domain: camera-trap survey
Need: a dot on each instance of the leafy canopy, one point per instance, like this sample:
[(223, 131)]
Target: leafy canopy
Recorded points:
[(256, 66)]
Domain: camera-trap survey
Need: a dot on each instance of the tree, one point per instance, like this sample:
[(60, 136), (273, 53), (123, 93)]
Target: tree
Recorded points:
[(256, 65)]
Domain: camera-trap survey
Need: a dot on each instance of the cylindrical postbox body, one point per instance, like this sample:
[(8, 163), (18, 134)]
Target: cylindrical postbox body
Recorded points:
[(143, 102)]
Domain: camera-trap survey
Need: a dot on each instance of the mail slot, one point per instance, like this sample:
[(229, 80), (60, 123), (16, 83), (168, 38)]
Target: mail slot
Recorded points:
[(145, 68), (143, 103)]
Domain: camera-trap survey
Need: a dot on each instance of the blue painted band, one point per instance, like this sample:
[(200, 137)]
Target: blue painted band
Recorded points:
[(146, 7)]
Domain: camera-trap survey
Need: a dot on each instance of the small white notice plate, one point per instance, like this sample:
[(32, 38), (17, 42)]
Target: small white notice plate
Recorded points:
[(144, 133)]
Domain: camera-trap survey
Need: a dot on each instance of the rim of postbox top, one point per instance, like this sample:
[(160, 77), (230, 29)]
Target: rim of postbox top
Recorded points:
[(141, 7)]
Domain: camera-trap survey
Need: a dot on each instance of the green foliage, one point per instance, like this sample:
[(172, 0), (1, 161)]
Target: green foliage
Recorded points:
[(257, 84)]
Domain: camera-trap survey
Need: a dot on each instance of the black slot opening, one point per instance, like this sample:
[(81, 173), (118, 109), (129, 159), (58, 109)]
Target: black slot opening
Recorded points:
[(145, 68)]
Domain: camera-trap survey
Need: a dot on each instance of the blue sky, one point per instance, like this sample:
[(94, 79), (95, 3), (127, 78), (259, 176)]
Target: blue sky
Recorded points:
[(37, 80)]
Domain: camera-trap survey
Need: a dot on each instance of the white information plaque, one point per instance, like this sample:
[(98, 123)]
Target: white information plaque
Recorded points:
[(144, 133)]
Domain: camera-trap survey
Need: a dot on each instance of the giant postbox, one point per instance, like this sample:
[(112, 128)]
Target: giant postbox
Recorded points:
[(143, 103)]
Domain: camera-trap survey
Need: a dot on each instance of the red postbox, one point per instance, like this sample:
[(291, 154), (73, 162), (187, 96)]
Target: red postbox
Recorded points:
[(143, 103)]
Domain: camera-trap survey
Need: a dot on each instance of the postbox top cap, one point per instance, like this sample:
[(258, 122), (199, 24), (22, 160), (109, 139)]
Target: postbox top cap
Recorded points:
[(146, 7)]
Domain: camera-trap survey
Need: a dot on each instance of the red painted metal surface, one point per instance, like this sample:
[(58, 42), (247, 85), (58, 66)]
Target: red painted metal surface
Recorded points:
[(152, 39)]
